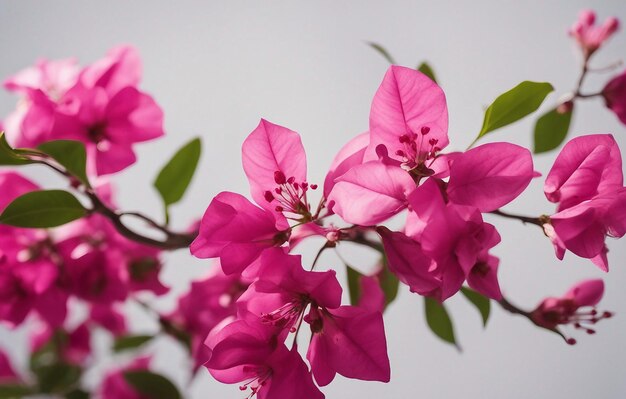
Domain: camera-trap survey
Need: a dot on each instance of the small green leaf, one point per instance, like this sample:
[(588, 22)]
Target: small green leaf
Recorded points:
[(130, 342), (14, 391), (9, 156), (152, 385), (382, 51), (389, 283), (57, 377), (439, 321), (44, 208), (77, 394), (70, 154), (354, 285), (176, 175), (481, 303), (551, 129), (427, 70), (513, 105)]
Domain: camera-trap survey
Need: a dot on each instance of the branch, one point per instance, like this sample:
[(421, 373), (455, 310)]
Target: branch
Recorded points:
[(509, 307), (524, 219)]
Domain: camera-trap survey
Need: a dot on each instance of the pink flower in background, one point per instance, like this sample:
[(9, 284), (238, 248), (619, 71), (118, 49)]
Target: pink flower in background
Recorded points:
[(589, 35), (207, 303), (42, 86), (114, 385), (614, 94), (28, 273), (103, 108), (587, 183), (566, 310), (109, 317), (73, 346), (7, 373)]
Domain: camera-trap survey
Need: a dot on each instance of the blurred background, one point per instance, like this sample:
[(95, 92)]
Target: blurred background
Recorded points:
[(217, 67)]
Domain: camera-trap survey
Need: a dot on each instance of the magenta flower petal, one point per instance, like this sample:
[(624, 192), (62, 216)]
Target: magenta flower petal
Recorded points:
[(586, 166), (490, 176), (349, 341), (233, 225), (371, 193), (587, 293), (408, 261), (406, 102), (7, 373), (272, 154), (615, 96), (350, 155)]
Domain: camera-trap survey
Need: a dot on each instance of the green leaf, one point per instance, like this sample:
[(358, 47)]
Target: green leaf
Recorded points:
[(382, 51), (70, 154), (354, 285), (9, 156), (130, 342), (427, 70), (57, 377), (389, 283), (152, 385), (14, 391), (513, 105), (77, 394), (551, 129), (176, 175), (44, 208), (481, 303), (439, 321)]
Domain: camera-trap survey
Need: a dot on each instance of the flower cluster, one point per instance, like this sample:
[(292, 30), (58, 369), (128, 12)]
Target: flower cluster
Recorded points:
[(265, 317), (99, 105), (398, 165)]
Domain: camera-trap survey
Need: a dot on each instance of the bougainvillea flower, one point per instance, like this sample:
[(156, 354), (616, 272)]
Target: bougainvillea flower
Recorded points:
[(275, 163), (28, 274), (284, 290), (614, 94), (237, 231), (7, 373), (407, 261), (114, 385), (42, 87), (350, 341), (587, 166), (565, 310), (109, 317), (409, 117), (582, 229), (104, 109), (250, 354), (371, 193), (483, 277), (94, 275), (454, 237), (589, 36), (489, 176), (218, 294)]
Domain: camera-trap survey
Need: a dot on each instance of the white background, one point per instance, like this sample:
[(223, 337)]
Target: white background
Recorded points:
[(217, 67)]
